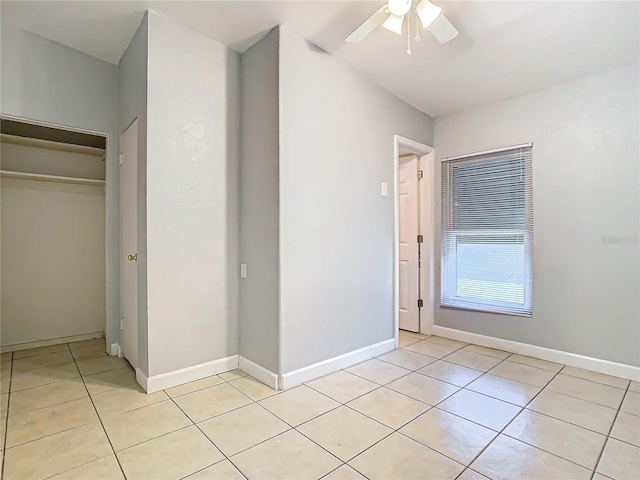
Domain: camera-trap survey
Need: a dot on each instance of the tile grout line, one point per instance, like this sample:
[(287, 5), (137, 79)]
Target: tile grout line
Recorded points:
[(45, 384), (560, 372), (565, 421), (40, 354), (488, 372), (339, 466), (464, 388), (97, 414), (402, 426), (6, 422), (595, 381), (522, 409), (295, 428), (43, 367), (443, 358), (62, 431), (608, 436), (292, 428), (225, 457), (378, 386), (590, 401), (228, 382), (410, 371), (343, 462), (393, 430), (27, 412), (41, 408), (257, 402), (449, 396), (622, 441)]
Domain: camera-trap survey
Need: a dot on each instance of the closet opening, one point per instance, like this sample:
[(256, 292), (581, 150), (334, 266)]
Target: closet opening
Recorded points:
[(53, 252)]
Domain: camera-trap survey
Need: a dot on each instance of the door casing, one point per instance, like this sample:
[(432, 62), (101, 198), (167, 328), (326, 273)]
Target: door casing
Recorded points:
[(427, 226), (129, 243)]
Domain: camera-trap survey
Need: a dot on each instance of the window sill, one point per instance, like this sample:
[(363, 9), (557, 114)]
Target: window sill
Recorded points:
[(486, 310)]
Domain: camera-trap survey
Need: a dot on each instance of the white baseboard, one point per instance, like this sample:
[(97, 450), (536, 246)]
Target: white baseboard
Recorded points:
[(142, 380), (320, 369), (572, 359), (258, 372), (155, 383), (115, 350), (50, 341)]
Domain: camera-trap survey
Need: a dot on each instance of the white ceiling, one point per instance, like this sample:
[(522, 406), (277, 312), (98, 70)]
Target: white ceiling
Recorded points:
[(505, 48)]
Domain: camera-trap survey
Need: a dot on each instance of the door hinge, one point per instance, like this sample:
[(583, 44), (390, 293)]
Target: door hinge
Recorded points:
[(420, 303), (420, 174), (120, 159), (122, 324), (420, 238)]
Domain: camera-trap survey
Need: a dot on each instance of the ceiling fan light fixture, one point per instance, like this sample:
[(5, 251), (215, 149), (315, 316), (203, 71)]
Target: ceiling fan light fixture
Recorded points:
[(399, 7), (428, 12), (394, 23)]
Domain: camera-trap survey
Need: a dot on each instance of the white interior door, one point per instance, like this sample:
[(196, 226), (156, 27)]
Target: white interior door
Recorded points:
[(409, 224), (129, 243)]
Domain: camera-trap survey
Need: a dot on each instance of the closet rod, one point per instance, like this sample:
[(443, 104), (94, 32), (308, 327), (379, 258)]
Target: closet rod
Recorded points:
[(50, 178), (51, 145)]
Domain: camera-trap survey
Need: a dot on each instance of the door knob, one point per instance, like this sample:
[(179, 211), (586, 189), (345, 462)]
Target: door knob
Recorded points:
[(133, 258)]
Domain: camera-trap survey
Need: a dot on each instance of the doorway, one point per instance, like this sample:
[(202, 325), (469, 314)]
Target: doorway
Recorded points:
[(414, 236), (54, 241), (129, 243)]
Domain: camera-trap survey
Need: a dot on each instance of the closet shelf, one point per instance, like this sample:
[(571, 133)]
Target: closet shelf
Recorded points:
[(50, 178), (51, 145)]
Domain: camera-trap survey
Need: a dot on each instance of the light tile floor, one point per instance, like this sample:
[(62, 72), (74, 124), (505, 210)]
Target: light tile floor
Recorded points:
[(434, 409)]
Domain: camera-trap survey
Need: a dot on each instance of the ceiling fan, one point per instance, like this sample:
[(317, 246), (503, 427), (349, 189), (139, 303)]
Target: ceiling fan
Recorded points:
[(392, 17)]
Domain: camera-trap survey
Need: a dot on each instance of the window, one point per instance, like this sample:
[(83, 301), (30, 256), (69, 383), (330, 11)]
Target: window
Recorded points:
[(487, 231)]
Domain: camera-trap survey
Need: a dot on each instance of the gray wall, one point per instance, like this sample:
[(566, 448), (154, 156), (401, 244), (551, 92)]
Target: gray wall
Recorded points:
[(336, 231), (133, 105), (585, 186), (48, 82), (259, 184), (192, 318)]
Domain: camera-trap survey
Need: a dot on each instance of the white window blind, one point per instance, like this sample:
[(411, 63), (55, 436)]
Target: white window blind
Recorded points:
[(487, 231)]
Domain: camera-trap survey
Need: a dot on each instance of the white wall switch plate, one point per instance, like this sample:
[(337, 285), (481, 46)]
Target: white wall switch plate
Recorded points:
[(385, 190), (243, 270)]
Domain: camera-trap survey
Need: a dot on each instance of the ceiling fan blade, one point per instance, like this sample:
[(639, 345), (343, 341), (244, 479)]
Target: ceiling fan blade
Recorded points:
[(442, 29), (369, 25)]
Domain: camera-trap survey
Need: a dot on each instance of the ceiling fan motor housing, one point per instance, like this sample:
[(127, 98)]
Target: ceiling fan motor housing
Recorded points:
[(399, 7)]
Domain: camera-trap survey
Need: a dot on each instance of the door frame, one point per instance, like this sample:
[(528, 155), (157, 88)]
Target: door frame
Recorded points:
[(132, 125), (111, 251), (427, 225)]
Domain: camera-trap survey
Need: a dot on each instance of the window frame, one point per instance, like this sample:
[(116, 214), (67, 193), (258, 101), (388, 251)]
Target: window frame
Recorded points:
[(449, 277)]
